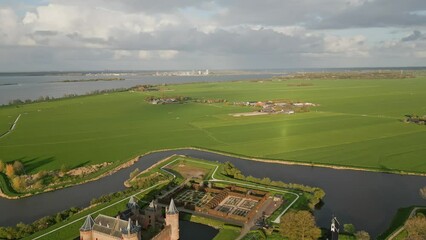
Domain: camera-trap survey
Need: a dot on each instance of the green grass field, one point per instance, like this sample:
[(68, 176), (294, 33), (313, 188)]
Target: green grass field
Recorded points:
[(357, 124)]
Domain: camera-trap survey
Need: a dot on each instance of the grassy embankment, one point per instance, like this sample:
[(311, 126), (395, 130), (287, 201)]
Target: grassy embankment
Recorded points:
[(356, 125)]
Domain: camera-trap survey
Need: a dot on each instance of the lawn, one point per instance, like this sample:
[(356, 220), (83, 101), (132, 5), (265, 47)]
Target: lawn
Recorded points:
[(188, 168), (357, 124), (228, 232)]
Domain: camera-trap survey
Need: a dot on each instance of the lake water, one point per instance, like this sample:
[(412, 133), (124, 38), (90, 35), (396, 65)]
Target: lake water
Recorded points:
[(32, 87), (368, 200)]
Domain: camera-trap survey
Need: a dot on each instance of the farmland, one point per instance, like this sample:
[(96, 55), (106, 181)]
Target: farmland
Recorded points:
[(357, 124)]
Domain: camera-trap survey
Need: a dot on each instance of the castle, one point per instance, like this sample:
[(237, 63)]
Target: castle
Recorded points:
[(133, 223)]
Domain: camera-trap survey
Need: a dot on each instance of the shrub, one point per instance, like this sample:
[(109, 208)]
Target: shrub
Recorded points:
[(10, 171), (362, 235), (349, 228), (17, 183), (18, 166)]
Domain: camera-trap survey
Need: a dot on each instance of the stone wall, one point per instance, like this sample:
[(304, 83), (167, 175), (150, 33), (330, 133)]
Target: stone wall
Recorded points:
[(165, 234)]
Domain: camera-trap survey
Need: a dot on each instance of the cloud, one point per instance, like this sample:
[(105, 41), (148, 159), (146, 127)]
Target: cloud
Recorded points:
[(167, 54), (416, 35), (133, 34), (378, 13), (349, 46)]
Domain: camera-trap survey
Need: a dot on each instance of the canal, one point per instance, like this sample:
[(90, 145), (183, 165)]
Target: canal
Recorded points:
[(368, 200)]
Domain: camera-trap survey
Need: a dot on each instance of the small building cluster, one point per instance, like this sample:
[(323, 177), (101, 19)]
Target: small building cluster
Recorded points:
[(184, 73), (277, 107), (164, 101), (167, 100), (133, 223)]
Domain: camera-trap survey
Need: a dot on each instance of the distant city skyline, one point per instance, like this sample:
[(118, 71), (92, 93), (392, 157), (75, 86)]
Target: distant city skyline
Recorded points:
[(60, 35)]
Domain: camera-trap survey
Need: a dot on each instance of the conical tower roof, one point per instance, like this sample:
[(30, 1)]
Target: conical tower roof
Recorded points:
[(152, 204), (172, 208), (132, 202), (88, 224), (129, 226)]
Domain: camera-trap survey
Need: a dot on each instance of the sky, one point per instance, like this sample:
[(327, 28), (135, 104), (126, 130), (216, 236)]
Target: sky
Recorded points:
[(64, 35)]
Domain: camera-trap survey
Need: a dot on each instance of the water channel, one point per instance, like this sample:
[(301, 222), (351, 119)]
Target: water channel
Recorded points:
[(368, 200)]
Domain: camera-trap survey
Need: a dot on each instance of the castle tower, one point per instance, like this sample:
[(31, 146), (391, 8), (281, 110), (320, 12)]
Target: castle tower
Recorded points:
[(132, 232), (172, 219), (151, 215), (86, 229), (133, 205)]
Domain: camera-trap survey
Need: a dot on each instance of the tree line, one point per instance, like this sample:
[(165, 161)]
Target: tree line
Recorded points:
[(22, 230)]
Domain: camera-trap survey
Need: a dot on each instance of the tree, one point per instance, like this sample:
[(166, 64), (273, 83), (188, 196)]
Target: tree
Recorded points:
[(2, 166), (362, 235), (416, 228), (10, 171), (299, 226), (349, 228), (17, 183), (18, 166)]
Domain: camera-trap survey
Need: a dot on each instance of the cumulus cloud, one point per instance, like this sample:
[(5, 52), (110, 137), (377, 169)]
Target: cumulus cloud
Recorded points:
[(133, 34)]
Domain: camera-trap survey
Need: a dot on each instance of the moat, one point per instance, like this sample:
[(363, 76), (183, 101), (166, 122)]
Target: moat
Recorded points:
[(366, 199)]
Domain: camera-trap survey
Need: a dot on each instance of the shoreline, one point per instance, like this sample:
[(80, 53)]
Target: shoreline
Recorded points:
[(127, 164), (330, 166), (133, 160)]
